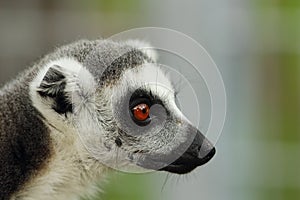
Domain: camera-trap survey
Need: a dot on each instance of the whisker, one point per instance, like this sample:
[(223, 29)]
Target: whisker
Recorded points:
[(177, 179), (180, 83), (156, 78), (117, 158), (165, 182)]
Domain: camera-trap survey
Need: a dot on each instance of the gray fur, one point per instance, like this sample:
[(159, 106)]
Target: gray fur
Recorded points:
[(28, 147)]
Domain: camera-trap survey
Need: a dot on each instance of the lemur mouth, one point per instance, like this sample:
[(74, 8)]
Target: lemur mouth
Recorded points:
[(188, 162)]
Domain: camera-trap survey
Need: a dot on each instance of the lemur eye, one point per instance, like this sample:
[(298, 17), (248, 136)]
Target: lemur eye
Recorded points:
[(141, 112), (139, 106)]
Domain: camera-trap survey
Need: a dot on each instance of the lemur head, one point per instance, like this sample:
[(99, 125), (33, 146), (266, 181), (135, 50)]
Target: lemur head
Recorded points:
[(120, 104)]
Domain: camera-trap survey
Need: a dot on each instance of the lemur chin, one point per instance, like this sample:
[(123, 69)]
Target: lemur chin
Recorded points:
[(85, 109)]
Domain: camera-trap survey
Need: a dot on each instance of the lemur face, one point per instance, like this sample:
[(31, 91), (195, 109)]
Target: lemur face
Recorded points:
[(151, 128), (124, 115)]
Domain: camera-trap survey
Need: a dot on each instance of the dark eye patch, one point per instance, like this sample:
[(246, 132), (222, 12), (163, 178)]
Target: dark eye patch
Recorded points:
[(141, 96)]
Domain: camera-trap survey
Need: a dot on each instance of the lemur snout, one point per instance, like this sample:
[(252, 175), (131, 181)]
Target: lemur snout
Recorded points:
[(198, 153)]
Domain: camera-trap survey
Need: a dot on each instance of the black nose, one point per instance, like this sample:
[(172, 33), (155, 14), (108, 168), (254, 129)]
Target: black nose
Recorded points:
[(201, 148), (205, 147), (206, 154)]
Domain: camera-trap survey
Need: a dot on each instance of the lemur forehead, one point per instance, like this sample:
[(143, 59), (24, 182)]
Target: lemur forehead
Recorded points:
[(149, 76), (145, 47), (109, 60)]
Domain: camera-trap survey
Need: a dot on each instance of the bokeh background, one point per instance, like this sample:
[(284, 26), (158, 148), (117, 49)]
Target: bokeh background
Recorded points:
[(256, 45)]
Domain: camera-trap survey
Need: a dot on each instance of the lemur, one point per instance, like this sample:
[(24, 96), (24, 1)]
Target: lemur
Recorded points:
[(85, 109)]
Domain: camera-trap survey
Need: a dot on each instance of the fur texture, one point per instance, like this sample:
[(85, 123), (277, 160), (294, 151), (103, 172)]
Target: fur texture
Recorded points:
[(67, 121)]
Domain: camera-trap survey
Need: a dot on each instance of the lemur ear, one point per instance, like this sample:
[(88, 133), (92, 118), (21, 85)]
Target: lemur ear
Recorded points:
[(53, 86)]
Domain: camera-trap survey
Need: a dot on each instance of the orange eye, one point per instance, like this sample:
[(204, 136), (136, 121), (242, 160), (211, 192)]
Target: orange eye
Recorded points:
[(141, 112)]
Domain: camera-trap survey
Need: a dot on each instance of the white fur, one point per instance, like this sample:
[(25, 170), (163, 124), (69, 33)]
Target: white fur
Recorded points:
[(65, 177), (150, 76), (70, 172)]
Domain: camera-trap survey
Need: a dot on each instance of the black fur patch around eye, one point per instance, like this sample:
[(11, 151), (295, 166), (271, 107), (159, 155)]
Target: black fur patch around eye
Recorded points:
[(144, 94), (53, 86)]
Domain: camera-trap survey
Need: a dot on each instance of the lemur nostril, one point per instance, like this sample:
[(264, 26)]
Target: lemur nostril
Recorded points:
[(199, 147)]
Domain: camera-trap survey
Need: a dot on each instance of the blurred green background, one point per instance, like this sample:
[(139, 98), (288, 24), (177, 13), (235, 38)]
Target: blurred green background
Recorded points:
[(256, 45)]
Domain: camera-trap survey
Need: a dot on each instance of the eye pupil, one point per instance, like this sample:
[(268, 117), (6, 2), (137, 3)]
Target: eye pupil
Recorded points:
[(141, 112)]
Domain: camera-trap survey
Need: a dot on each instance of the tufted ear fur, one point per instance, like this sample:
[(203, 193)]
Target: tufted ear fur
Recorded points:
[(53, 86), (62, 85)]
